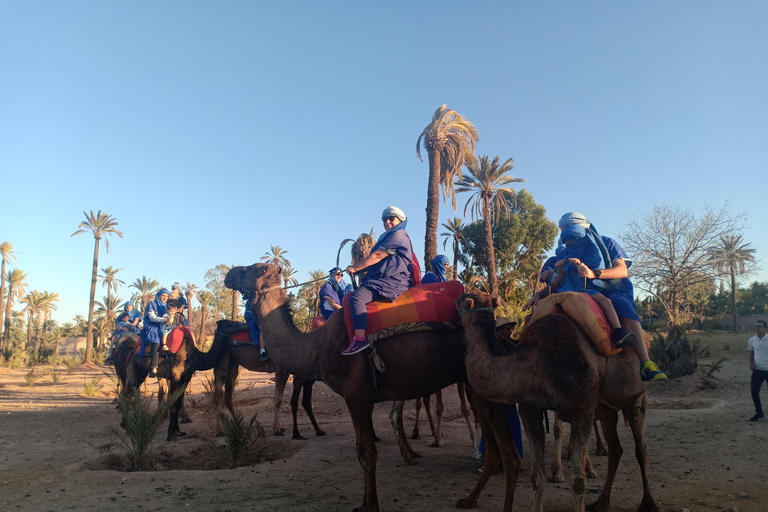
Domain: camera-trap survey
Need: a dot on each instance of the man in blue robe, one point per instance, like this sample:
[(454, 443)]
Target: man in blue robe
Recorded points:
[(332, 293)]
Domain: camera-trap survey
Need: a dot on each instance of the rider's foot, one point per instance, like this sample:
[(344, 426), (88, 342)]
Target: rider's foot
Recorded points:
[(649, 372), (623, 337), (356, 344), (152, 373)]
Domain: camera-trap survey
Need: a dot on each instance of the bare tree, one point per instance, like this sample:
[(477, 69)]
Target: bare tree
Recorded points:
[(672, 248)]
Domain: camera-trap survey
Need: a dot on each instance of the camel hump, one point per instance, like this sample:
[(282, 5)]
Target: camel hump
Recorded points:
[(585, 312)]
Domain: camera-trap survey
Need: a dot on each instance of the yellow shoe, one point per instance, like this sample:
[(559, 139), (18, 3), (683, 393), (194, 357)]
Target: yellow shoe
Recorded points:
[(649, 372)]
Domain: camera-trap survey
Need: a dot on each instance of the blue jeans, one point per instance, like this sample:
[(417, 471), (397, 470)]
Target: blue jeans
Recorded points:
[(357, 301), (758, 377)]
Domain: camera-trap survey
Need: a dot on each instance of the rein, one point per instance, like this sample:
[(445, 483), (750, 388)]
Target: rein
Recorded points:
[(478, 309), (279, 287)]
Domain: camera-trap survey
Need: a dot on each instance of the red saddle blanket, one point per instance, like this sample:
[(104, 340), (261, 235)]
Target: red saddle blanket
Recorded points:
[(434, 302), (173, 340), (241, 336)]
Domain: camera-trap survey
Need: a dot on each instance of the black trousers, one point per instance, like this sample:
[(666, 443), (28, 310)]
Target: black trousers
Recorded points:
[(758, 377)]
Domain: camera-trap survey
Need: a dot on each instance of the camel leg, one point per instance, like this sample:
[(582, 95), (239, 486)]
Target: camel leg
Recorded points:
[(281, 380), (396, 418), (635, 414), (568, 453), (361, 412), (437, 440), (580, 429), (428, 410), (608, 422), (556, 470), (306, 402), (416, 434), (533, 422), (600, 449), (173, 426), (297, 385), (461, 388)]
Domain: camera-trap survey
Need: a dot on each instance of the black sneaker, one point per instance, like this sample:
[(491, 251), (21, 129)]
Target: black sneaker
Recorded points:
[(264, 356), (756, 417), (623, 338), (152, 373)]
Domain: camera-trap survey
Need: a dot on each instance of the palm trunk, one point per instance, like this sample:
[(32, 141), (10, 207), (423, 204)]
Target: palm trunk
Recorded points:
[(29, 330), (433, 208), (234, 305), (2, 305), (89, 333), (7, 322), (455, 259), (733, 297), (492, 281)]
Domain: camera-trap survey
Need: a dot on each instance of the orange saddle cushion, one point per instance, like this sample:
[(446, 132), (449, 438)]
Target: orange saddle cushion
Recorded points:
[(434, 302)]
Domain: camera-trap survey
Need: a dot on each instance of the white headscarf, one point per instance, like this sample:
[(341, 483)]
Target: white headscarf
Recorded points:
[(394, 211), (574, 219)]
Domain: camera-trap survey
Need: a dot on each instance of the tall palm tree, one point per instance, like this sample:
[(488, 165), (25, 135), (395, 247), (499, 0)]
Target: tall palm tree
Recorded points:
[(16, 287), (190, 290), (732, 256), (33, 301), (81, 324), (288, 273), (146, 288), (487, 183), (6, 254), (455, 233), (276, 256), (205, 298), (99, 225), (315, 276), (110, 280), (450, 143), (48, 307)]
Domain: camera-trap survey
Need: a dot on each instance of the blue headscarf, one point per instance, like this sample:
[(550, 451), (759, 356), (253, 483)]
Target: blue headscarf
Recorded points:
[(581, 244), (389, 233), (438, 266), (571, 222)]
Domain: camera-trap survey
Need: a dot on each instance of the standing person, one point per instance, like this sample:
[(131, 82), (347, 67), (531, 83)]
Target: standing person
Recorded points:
[(332, 293), (392, 269), (440, 266), (156, 317), (758, 363), (253, 330)]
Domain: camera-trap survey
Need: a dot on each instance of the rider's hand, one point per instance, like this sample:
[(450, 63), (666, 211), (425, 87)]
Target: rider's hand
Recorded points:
[(350, 270), (534, 300)]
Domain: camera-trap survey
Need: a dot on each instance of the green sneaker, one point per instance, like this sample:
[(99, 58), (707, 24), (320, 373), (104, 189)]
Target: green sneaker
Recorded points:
[(649, 372)]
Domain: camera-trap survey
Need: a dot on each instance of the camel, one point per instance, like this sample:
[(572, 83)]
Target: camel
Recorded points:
[(435, 426), (555, 367), (225, 377), (178, 368), (417, 363)]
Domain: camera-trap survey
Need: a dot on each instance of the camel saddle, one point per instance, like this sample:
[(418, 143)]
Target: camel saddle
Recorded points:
[(424, 307), (172, 340), (585, 312)]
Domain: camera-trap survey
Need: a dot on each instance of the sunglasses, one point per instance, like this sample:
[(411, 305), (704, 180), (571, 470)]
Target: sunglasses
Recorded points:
[(390, 218)]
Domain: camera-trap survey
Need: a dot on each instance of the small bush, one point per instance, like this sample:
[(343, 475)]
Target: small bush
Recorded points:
[(71, 363), (18, 358), (99, 355), (241, 437), (710, 369), (92, 386), (698, 351), (81, 352), (31, 376), (658, 351), (55, 377), (141, 425)]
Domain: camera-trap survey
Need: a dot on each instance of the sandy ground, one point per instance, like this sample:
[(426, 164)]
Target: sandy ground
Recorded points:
[(705, 455)]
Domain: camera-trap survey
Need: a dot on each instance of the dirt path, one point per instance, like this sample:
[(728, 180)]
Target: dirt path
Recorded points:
[(705, 456)]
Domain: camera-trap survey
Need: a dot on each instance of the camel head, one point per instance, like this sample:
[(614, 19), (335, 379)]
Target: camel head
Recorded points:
[(249, 280), (477, 300)]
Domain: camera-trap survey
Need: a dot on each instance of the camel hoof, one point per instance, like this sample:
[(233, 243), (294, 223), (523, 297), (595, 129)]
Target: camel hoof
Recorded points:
[(466, 503), (600, 505), (602, 452), (436, 444), (319, 433), (278, 433), (175, 435), (648, 505), (556, 478)]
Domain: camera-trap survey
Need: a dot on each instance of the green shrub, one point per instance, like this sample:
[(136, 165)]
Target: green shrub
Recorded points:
[(658, 351), (55, 377), (99, 355), (141, 425), (71, 363), (31, 376), (241, 437), (92, 386), (697, 351), (54, 360), (710, 369), (18, 358)]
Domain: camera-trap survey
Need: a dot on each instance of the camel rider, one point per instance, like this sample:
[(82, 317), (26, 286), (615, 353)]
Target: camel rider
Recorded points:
[(623, 299), (440, 265), (156, 317), (392, 269), (577, 246), (332, 293), (122, 326), (134, 317), (254, 331)]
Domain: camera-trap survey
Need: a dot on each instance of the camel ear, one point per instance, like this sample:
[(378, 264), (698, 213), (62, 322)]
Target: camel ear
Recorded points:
[(465, 303), (495, 301)]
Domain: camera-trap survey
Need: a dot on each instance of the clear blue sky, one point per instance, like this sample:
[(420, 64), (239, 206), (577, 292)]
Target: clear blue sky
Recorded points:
[(211, 130)]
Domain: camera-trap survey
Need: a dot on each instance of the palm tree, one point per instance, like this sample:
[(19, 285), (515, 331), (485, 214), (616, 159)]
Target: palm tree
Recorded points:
[(455, 233), (732, 256), (33, 300), (288, 273), (146, 288), (450, 143), (110, 281), (6, 254), (49, 299), (190, 291), (16, 287), (205, 298), (108, 308), (486, 182), (81, 324), (316, 282), (99, 225), (276, 256)]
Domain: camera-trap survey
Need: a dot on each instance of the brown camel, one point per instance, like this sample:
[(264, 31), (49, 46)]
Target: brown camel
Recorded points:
[(225, 377), (178, 368), (417, 364), (554, 367)]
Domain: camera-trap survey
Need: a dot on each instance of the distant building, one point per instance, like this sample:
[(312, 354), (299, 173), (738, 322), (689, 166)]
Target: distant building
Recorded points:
[(743, 323), (71, 345)]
